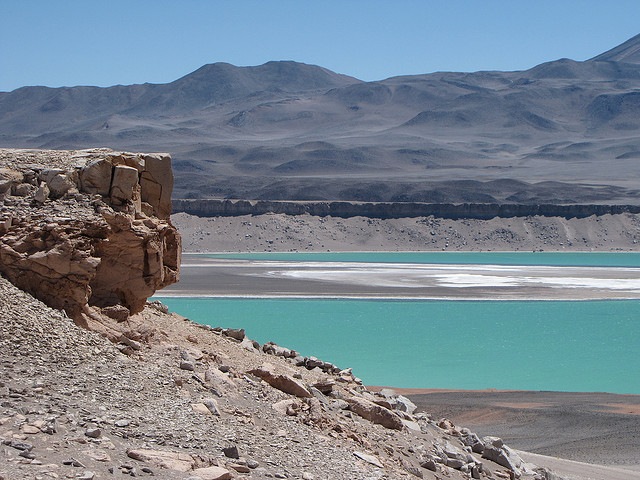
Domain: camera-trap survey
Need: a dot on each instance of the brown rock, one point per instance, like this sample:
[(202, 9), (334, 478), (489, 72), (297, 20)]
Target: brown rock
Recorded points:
[(212, 473), (239, 468), (96, 177), (375, 413), (156, 183), (97, 254), (59, 185), (124, 183), (119, 313), (284, 383), (181, 462)]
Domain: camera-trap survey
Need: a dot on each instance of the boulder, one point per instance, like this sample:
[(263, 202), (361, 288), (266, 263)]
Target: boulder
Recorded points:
[(496, 451), (124, 183), (283, 382), (101, 253), (212, 473), (181, 462), (375, 413), (96, 177), (59, 185)]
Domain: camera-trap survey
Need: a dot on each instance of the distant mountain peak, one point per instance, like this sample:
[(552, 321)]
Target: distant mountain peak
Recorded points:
[(627, 52)]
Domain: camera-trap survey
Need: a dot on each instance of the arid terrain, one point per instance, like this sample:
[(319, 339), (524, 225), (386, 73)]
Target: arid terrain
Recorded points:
[(560, 132), (304, 233), (148, 393)]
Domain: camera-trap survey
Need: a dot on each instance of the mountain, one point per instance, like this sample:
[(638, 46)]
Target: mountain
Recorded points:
[(561, 132), (627, 52)]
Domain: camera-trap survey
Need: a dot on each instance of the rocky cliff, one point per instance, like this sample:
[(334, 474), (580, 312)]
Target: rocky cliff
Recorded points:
[(385, 210), (88, 231)]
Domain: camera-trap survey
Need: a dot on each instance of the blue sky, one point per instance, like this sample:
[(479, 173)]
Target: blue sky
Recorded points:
[(87, 42)]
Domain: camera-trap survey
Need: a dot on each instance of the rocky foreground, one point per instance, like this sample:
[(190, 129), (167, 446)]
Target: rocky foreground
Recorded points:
[(97, 383), (176, 400)]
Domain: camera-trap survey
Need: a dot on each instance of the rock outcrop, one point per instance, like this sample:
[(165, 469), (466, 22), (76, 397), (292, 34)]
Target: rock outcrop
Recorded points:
[(91, 228)]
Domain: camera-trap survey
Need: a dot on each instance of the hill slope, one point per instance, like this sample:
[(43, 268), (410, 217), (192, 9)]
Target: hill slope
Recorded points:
[(286, 130)]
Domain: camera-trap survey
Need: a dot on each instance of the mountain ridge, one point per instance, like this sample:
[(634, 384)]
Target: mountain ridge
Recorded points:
[(236, 132)]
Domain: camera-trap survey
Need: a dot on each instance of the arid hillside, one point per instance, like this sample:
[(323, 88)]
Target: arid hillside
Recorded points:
[(560, 132)]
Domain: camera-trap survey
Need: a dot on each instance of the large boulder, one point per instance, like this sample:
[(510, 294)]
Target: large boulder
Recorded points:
[(83, 238), (375, 413), (283, 382)]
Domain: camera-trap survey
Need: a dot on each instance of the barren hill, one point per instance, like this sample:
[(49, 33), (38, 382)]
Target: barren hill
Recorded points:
[(286, 130)]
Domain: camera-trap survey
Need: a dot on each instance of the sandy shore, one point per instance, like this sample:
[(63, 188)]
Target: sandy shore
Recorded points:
[(202, 276), (595, 428)]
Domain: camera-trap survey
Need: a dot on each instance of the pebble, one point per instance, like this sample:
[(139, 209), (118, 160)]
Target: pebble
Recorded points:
[(93, 432)]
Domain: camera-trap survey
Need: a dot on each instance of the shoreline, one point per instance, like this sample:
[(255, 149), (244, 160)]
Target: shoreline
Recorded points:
[(594, 428), (210, 277)]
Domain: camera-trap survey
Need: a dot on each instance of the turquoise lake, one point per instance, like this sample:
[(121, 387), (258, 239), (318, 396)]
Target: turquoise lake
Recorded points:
[(528, 345)]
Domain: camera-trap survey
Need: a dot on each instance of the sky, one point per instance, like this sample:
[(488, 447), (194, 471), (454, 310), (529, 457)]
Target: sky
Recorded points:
[(103, 43)]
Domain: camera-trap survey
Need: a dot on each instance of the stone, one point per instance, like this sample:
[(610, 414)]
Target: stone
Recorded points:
[(124, 183), (503, 455), (181, 462), (219, 381), (212, 473), (212, 406), (96, 177), (42, 193), (375, 413), (411, 425), (325, 385), (368, 458), (200, 408), (231, 452), (30, 429), (430, 464), (455, 463), (239, 468), (286, 406), (248, 345), (23, 190), (236, 333), (472, 440), (93, 432), (119, 313), (187, 365), (284, 383), (100, 253), (59, 185)]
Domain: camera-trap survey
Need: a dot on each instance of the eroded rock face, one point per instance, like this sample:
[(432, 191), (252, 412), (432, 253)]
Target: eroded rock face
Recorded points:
[(87, 228)]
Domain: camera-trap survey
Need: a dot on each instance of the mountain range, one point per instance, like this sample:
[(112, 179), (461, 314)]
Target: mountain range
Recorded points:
[(561, 132)]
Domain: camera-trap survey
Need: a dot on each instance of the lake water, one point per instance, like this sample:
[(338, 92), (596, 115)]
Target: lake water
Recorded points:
[(529, 345)]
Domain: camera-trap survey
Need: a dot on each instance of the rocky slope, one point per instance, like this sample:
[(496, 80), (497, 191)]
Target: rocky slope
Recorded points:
[(88, 232), (175, 400), (147, 393)]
